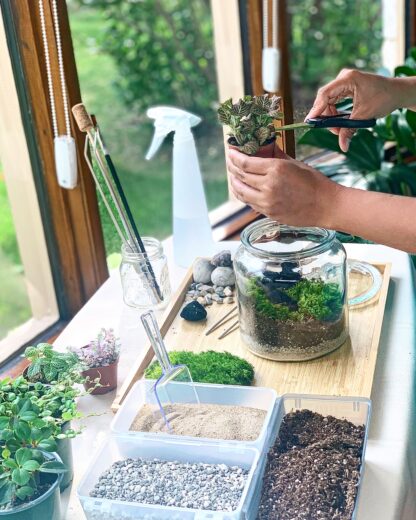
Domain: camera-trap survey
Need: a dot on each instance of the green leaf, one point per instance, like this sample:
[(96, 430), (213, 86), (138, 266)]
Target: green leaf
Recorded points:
[(9, 463), (20, 476), (24, 492), (6, 453), (403, 132), (48, 445), (321, 138), (404, 70), (53, 466), (28, 416), (4, 422), (6, 492), (23, 455), (31, 465), (411, 119), (22, 430), (250, 148), (365, 152)]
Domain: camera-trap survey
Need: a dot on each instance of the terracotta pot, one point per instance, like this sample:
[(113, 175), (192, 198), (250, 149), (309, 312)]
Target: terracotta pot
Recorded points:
[(107, 376), (266, 151)]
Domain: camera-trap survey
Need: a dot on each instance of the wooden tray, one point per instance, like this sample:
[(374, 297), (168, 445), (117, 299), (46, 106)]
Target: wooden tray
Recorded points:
[(348, 371)]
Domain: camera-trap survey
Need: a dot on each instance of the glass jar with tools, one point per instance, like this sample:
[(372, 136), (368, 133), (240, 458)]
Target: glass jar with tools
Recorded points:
[(145, 276)]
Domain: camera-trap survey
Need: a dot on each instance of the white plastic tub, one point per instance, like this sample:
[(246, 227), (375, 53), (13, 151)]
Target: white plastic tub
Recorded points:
[(354, 409), (249, 396), (120, 447)]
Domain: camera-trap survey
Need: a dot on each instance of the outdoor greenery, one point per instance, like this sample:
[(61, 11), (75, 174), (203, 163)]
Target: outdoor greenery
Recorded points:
[(312, 299), (220, 368), (250, 121), (127, 61)]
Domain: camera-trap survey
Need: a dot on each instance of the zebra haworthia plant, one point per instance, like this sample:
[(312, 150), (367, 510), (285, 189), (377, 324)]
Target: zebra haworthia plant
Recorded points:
[(250, 121)]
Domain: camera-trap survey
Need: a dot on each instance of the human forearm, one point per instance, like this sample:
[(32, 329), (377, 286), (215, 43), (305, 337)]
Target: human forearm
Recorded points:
[(379, 217), (405, 92)]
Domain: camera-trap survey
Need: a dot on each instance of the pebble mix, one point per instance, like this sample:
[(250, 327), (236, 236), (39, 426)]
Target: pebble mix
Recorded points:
[(208, 294), (214, 487)]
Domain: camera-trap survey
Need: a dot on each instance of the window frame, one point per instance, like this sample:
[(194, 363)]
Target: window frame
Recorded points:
[(70, 218)]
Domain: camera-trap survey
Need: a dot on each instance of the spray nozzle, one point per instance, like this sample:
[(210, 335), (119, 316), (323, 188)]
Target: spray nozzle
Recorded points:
[(169, 119)]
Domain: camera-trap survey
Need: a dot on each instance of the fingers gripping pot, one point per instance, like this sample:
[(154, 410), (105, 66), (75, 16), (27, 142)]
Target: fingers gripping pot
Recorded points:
[(292, 291)]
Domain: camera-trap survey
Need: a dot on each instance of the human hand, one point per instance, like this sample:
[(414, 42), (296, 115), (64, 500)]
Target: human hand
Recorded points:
[(283, 189), (373, 96)]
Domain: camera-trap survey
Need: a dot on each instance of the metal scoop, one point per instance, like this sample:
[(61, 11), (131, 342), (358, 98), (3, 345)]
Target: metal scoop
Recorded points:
[(175, 384)]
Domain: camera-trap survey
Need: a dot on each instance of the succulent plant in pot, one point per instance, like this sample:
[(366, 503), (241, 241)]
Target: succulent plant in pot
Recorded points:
[(30, 470), (99, 360), (251, 123)]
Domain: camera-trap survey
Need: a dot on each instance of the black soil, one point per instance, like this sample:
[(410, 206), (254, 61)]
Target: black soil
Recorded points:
[(313, 469)]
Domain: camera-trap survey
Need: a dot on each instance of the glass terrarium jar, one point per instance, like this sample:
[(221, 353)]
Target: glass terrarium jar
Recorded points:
[(145, 278), (292, 291)]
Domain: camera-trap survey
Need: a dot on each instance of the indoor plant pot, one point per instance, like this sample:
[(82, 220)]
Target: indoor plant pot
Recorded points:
[(64, 451), (107, 376), (251, 122), (266, 151)]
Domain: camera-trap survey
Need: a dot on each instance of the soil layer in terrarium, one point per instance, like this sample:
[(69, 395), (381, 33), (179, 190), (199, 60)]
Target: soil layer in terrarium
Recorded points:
[(213, 421), (291, 319), (313, 469)]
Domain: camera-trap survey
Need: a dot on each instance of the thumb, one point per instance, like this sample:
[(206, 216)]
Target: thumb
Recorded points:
[(344, 138)]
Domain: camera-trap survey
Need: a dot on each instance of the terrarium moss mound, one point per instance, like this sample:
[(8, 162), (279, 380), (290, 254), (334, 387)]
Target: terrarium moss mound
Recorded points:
[(310, 299), (220, 368)]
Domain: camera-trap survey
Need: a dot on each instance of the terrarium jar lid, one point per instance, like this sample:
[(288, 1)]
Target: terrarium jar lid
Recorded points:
[(268, 238)]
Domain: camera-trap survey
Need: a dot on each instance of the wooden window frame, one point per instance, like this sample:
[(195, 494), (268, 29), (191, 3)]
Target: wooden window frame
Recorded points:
[(70, 218)]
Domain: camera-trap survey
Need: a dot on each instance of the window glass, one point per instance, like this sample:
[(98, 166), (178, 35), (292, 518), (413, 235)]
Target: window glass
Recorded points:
[(133, 55), (14, 301), (327, 36)]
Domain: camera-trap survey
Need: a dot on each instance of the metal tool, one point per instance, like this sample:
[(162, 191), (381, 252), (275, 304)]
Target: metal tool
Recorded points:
[(163, 390), (115, 200), (340, 120)]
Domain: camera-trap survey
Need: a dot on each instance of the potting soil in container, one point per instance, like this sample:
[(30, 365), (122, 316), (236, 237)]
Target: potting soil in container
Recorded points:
[(216, 487), (313, 469), (237, 423)]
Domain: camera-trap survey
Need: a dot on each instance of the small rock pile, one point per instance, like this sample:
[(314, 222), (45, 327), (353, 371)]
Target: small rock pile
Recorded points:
[(214, 280), (214, 487)]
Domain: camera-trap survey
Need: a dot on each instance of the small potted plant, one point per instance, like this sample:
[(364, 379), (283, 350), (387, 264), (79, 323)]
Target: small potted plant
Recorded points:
[(100, 361), (30, 470), (48, 365), (251, 123)]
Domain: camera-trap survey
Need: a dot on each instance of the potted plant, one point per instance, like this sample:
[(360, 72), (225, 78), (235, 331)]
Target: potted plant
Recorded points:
[(30, 471), (251, 123), (48, 365), (99, 360)]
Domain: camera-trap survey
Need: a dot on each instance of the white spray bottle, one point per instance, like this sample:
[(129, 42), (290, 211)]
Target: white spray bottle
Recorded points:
[(192, 235)]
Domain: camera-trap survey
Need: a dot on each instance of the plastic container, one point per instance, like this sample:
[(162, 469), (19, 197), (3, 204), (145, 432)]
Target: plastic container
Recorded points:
[(355, 409), (119, 447), (255, 397)]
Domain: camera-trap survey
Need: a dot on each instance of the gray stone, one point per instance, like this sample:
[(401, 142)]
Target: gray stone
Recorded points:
[(202, 270), (222, 259), (228, 291), (229, 299), (223, 276)]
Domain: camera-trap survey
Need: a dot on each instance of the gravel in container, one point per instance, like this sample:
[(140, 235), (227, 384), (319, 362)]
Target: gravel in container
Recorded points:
[(214, 487), (213, 421), (313, 470)]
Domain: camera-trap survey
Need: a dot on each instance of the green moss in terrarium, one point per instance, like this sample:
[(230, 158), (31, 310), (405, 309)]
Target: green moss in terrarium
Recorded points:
[(314, 299), (320, 300)]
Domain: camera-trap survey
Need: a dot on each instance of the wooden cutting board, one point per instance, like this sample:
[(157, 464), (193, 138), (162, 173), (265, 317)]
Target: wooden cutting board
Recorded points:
[(348, 371)]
